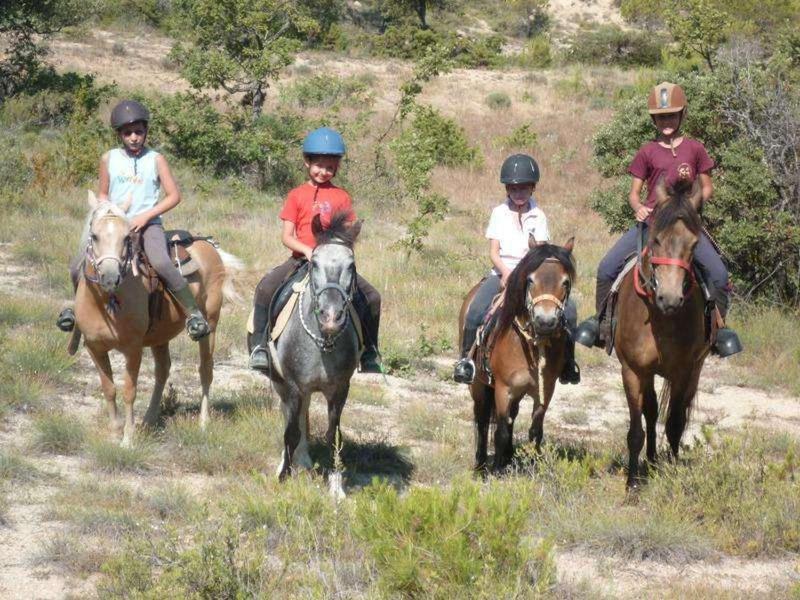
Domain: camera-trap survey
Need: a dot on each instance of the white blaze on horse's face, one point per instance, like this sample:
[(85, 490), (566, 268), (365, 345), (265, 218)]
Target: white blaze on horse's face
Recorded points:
[(109, 235), (332, 282), (670, 282), (548, 289)]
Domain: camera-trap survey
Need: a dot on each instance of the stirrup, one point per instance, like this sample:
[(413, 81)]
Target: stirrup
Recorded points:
[(197, 327), (464, 371), (66, 320), (727, 343), (369, 362), (588, 333)]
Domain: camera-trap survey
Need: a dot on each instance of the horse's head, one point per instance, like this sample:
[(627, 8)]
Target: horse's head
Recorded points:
[(108, 250), (672, 240), (333, 271), (539, 288)]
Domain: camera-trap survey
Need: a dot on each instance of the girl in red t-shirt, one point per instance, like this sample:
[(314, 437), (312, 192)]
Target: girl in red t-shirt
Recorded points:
[(673, 157), (323, 149)]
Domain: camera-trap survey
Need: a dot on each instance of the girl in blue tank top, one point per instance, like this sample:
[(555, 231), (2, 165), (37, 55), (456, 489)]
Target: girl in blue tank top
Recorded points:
[(137, 173)]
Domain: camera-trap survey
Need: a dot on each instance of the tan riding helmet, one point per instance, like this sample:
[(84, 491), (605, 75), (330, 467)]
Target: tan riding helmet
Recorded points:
[(666, 98)]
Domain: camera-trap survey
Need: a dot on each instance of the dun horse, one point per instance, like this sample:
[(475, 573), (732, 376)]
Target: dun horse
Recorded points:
[(319, 348), (661, 324), (111, 312), (527, 349)]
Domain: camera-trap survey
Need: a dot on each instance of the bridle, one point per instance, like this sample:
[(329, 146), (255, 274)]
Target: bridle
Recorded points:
[(531, 303), (95, 261), (326, 343), (647, 286)]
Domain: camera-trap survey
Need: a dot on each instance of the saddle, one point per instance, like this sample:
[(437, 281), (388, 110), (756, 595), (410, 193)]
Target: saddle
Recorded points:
[(178, 241), (713, 318), (481, 350), (282, 306)]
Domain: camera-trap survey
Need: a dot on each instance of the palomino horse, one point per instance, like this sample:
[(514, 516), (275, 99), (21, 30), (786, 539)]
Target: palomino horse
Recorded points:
[(528, 341), (319, 348), (661, 324), (111, 311)]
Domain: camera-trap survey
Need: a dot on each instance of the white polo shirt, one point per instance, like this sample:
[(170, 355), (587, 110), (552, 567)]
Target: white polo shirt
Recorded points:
[(512, 229)]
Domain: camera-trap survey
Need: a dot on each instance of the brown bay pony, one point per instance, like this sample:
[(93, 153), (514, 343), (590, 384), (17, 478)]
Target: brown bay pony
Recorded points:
[(526, 349), (111, 312), (661, 324)]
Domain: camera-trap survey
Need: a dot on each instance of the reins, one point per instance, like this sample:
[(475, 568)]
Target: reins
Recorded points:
[(94, 261)]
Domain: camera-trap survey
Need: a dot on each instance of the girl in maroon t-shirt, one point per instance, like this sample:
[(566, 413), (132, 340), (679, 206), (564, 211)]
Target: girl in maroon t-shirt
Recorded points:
[(675, 158)]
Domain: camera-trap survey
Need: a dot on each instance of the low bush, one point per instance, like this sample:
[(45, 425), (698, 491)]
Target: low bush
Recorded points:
[(58, 433), (327, 91), (536, 54), (498, 101), (610, 45)]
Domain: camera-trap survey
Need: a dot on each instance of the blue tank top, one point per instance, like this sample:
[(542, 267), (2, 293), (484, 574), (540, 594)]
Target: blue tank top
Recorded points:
[(135, 177)]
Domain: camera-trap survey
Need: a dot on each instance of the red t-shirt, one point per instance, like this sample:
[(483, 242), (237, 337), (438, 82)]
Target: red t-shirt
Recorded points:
[(654, 160), (306, 201)]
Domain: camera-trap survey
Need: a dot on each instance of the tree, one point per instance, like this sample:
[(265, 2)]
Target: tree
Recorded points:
[(398, 9), (240, 45), (533, 14), (24, 27), (698, 26)]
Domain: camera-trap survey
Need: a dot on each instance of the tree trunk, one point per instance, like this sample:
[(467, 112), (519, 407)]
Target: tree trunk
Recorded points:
[(259, 97), (422, 6)]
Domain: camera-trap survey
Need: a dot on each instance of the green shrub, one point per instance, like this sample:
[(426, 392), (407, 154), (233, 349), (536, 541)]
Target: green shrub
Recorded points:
[(522, 137), (536, 54), (58, 433), (498, 101), (327, 91), (610, 45), (439, 543)]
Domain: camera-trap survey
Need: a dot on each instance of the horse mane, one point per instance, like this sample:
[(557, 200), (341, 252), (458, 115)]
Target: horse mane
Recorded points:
[(341, 230), (517, 285), (678, 208)]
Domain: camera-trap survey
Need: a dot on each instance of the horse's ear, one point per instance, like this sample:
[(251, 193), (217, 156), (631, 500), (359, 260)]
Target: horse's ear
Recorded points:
[(532, 243), (662, 195), (316, 225), (696, 195), (92, 199), (355, 229), (570, 244)]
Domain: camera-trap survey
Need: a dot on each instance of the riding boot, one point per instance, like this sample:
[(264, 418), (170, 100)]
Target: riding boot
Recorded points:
[(596, 330), (66, 320), (727, 342), (259, 358), (464, 371), (370, 324), (570, 373), (196, 325)]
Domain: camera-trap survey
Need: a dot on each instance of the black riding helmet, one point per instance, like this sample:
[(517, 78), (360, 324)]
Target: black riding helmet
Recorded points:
[(519, 168), (127, 112)]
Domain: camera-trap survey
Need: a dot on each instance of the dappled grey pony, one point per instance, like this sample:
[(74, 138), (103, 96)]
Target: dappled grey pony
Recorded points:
[(319, 348)]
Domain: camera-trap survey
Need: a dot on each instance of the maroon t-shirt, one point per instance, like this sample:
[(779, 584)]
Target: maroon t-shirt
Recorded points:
[(654, 160)]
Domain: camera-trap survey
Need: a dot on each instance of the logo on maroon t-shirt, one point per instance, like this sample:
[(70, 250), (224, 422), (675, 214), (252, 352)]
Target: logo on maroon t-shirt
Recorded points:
[(685, 172)]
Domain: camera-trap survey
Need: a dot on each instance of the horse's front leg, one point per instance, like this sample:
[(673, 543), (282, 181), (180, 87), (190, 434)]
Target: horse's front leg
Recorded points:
[(291, 407), (650, 409), (506, 409), (634, 391), (482, 406), (206, 369), (541, 401), (681, 396), (162, 366), (103, 365), (336, 401), (133, 360)]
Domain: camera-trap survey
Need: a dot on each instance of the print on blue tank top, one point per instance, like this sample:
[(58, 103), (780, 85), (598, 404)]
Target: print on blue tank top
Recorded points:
[(135, 178)]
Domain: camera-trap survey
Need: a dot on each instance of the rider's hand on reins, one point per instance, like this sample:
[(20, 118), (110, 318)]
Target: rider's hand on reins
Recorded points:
[(643, 212), (138, 223)]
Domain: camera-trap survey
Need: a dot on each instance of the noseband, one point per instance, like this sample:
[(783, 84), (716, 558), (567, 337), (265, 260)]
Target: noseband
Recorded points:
[(648, 288), (530, 303), (324, 342)]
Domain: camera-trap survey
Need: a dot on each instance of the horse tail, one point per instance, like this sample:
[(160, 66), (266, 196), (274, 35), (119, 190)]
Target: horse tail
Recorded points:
[(233, 265)]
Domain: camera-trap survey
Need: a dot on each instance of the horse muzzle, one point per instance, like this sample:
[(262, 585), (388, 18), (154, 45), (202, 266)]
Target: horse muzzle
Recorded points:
[(331, 320)]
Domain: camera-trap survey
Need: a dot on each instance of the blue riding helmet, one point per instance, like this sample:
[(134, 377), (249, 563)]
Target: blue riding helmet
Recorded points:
[(324, 141)]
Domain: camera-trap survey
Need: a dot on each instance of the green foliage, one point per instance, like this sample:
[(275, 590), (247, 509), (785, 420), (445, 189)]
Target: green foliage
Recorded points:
[(430, 140), (536, 54), (443, 542), (522, 137), (58, 433), (498, 101), (610, 45), (240, 45), (328, 91), (698, 26), (263, 148)]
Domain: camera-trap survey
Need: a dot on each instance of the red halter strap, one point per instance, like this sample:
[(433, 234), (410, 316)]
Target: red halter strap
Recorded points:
[(647, 292)]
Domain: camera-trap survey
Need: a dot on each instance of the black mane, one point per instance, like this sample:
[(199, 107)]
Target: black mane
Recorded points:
[(341, 230), (514, 302), (678, 208)]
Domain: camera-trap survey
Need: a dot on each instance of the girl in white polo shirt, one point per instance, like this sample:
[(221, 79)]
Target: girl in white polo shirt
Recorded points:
[(510, 225)]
